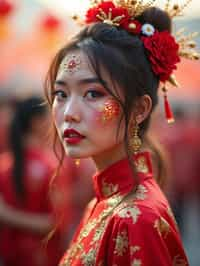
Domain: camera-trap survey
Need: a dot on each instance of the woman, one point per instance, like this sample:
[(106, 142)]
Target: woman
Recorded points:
[(26, 212), (102, 87)]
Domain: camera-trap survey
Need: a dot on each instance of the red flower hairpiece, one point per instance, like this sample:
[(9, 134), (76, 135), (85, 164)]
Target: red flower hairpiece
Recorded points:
[(161, 46), (162, 53), (109, 13), (162, 49)]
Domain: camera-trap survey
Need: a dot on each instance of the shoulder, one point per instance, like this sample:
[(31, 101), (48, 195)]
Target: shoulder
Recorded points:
[(140, 212), (139, 232)]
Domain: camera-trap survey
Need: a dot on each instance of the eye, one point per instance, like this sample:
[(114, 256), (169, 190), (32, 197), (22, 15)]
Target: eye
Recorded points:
[(59, 95), (93, 94)]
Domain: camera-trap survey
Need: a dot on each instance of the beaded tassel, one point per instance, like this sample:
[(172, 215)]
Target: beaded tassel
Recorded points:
[(168, 112)]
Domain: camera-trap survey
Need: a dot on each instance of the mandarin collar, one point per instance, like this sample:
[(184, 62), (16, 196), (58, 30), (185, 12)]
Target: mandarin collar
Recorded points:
[(118, 178)]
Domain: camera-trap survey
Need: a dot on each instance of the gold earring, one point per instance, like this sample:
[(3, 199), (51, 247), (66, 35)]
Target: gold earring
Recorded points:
[(135, 141)]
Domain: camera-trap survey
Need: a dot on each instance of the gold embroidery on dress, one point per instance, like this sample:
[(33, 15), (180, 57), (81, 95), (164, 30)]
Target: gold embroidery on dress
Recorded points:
[(141, 165), (179, 261), (162, 227), (75, 249), (140, 193), (73, 253), (121, 243), (136, 262), (88, 228), (108, 189), (88, 259), (134, 249), (98, 232), (100, 222), (113, 201), (130, 212)]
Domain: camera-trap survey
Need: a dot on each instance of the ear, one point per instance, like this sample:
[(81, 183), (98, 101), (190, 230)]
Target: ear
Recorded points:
[(142, 108)]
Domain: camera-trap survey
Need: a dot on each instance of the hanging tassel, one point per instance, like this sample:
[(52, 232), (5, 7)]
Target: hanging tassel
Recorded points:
[(168, 112)]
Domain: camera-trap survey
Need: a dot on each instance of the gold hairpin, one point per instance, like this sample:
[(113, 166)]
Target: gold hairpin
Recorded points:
[(175, 9), (134, 7), (187, 44)]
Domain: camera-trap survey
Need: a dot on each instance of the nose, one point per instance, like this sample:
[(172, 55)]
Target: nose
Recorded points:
[(72, 113)]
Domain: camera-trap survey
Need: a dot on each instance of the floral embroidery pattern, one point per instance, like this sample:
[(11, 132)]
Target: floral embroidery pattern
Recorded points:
[(97, 226), (108, 189), (162, 227), (98, 232), (121, 243), (99, 223), (88, 259), (113, 201), (134, 249), (130, 212), (141, 165), (140, 193)]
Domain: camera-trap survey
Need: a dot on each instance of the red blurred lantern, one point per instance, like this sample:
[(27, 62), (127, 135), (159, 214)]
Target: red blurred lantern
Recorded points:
[(50, 31), (6, 8), (50, 23)]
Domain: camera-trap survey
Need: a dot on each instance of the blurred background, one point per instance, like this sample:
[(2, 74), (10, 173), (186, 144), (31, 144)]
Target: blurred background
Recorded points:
[(31, 31)]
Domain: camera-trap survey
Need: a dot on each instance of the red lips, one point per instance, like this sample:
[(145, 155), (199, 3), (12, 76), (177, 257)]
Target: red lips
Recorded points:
[(72, 136)]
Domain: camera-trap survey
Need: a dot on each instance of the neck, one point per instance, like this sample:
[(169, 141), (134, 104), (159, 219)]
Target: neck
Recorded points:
[(109, 157)]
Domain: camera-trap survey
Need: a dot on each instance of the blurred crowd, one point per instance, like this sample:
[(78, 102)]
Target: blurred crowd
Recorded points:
[(39, 212)]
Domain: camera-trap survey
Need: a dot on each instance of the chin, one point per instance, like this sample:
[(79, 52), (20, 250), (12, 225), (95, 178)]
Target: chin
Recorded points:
[(76, 154)]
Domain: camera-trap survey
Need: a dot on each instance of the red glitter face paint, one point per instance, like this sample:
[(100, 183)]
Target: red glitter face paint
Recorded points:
[(110, 110), (71, 63)]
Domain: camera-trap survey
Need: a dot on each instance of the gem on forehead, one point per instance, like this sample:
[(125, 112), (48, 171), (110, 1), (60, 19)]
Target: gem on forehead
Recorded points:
[(71, 63)]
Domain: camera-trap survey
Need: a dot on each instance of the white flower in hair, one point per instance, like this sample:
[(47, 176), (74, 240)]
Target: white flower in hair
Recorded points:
[(147, 29)]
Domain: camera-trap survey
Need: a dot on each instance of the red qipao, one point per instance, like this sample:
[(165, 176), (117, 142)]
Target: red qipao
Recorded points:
[(122, 226)]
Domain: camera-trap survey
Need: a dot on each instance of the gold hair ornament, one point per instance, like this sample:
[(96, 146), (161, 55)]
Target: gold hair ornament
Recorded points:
[(124, 13)]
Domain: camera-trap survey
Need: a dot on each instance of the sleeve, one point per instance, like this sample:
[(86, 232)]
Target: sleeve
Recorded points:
[(140, 237)]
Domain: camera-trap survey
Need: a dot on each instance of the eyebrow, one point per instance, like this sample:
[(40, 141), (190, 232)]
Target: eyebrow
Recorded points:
[(84, 81)]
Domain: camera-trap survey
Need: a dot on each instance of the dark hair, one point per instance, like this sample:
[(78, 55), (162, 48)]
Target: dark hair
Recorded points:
[(25, 111), (124, 58)]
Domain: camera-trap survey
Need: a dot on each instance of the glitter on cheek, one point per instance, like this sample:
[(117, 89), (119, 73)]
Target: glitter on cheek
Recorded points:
[(103, 114), (109, 111)]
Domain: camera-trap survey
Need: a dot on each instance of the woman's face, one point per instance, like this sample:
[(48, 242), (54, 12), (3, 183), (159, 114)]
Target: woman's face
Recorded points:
[(86, 116)]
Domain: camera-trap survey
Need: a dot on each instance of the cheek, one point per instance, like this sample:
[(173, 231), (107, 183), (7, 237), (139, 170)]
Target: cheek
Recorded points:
[(106, 113), (57, 114)]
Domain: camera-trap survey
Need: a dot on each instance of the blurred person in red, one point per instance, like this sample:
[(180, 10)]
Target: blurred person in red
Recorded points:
[(181, 143), (71, 191), (5, 117), (25, 173)]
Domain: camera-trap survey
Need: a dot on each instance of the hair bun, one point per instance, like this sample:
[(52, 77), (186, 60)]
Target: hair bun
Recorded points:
[(156, 17)]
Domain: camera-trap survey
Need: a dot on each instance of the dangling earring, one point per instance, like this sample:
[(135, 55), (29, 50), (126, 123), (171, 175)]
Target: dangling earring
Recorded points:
[(135, 141)]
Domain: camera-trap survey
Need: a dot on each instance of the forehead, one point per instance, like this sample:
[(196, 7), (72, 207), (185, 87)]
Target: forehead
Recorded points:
[(75, 64)]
